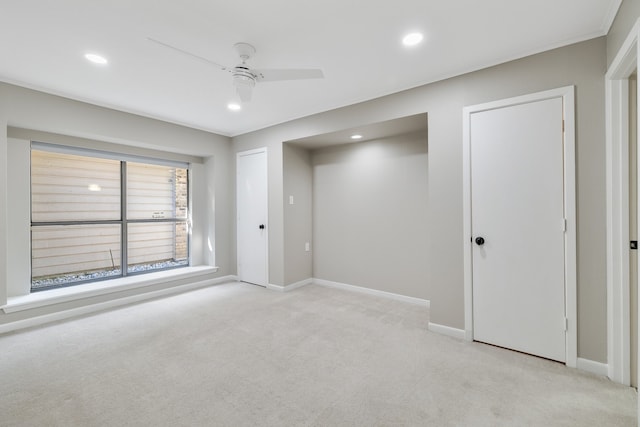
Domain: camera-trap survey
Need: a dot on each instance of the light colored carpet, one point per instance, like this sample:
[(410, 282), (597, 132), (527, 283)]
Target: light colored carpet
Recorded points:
[(240, 355)]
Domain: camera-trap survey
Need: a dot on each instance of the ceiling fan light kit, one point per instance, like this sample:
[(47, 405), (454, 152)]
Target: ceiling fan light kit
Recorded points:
[(244, 83)]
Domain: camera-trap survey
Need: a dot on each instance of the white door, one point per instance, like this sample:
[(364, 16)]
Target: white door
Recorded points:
[(517, 225), (252, 216)]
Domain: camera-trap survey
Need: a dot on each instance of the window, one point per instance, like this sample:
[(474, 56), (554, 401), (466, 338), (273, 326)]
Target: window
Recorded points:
[(95, 216)]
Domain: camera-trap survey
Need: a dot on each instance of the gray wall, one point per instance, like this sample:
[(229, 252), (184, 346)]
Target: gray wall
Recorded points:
[(29, 109), (625, 20), (582, 65), (369, 214), (298, 217)]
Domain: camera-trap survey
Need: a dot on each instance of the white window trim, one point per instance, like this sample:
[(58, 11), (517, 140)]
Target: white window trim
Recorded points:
[(105, 287), (102, 154), (64, 149)]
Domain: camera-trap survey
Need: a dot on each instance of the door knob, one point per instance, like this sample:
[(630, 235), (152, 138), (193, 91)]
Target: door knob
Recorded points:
[(479, 241), (261, 226)]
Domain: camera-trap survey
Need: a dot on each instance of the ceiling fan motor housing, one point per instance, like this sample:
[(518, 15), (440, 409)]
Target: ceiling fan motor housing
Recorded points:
[(242, 76)]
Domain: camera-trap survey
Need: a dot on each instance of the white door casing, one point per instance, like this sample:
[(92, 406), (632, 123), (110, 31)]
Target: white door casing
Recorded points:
[(617, 154), (519, 195), (633, 230), (252, 215)]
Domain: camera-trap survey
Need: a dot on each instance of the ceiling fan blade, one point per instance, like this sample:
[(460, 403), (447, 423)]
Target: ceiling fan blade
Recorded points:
[(272, 75), (244, 92), (193, 55)]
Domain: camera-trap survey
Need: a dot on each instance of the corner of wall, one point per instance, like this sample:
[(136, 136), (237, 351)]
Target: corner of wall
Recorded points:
[(597, 368), (448, 331), (3, 212)]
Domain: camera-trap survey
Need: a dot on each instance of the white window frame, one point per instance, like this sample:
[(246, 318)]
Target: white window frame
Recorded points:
[(123, 221)]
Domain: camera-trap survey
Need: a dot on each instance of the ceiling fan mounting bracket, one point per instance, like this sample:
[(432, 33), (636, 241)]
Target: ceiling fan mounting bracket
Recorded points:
[(245, 51)]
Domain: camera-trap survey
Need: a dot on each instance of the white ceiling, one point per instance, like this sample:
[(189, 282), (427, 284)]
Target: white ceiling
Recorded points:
[(356, 43)]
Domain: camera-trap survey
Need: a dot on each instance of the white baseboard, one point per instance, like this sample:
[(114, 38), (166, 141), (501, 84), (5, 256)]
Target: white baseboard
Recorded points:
[(291, 286), (87, 309), (597, 368), (448, 330), (369, 291)]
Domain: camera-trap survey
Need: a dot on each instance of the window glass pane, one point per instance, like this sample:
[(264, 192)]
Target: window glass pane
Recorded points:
[(67, 187), (84, 193), (156, 192), (66, 254), (157, 245)]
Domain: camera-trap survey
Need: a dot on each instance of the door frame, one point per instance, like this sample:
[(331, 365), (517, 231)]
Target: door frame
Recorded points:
[(266, 231), (617, 162), (567, 94)]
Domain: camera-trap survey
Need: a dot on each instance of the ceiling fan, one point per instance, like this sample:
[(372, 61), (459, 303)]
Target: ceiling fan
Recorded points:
[(244, 78)]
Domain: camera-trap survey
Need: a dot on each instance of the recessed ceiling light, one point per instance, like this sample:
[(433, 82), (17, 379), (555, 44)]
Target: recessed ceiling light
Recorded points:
[(234, 106), (412, 39), (95, 58), (356, 136)]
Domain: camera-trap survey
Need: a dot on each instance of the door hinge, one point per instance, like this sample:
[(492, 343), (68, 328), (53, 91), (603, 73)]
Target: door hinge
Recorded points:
[(566, 324), (562, 125), (564, 224), (633, 244)]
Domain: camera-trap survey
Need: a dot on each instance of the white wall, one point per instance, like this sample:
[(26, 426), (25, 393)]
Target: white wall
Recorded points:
[(87, 124), (370, 214)]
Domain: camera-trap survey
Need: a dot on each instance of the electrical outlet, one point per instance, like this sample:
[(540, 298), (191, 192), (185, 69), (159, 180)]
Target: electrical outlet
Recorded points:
[(307, 247), (290, 200)]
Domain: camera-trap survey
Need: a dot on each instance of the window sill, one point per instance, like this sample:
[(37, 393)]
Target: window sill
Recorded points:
[(71, 293)]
